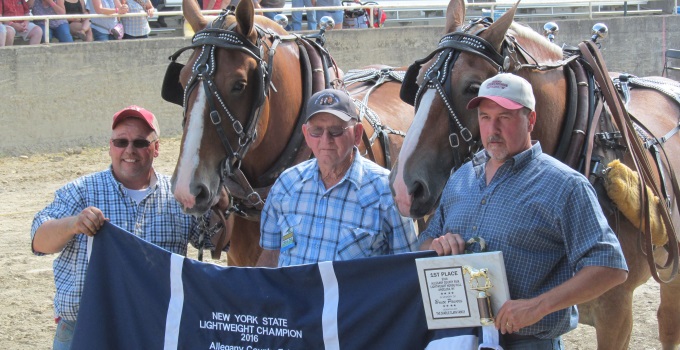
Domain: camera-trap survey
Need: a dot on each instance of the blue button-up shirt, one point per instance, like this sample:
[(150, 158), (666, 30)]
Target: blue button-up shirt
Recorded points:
[(158, 218), (356, 218), (541, 214)]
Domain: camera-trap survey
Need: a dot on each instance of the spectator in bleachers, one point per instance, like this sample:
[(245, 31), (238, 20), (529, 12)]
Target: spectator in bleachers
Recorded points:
[(213, 4), (256, 3), (25, 29), (272, 4), (138, 27), (59, 28), (6, 34), (80, 27), (101, 27), (337, 15), (297, 15)]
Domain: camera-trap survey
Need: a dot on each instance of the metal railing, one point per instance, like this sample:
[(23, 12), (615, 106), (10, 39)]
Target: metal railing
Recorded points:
[(488, 8)]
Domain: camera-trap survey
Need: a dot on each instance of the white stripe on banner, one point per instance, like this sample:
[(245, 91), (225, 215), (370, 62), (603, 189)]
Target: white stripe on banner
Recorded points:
[(90, 240), (329, 317), (174, 317)]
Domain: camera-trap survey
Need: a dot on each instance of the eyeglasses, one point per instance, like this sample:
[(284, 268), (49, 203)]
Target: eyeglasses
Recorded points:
[(123, 143), (333, 131)]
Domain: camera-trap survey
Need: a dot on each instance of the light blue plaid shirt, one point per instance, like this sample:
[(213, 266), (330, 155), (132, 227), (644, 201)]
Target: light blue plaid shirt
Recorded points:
[(541, 214), (356, 218), (158, 218), (136, 26)]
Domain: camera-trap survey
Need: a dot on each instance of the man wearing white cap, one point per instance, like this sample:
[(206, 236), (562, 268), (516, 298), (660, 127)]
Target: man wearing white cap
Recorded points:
[(558, 248), (337, 206), (130, 194)]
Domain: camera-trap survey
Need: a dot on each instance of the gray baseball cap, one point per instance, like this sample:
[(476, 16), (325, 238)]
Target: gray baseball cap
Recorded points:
[(335, 102), (508, 90)]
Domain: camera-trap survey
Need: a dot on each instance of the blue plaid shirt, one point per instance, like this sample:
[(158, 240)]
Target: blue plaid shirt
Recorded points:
[(541, 214), (158, 218), (356, 218)]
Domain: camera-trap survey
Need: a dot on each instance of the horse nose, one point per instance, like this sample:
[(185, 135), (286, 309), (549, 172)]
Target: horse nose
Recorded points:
[(202, 194), (421, 198)]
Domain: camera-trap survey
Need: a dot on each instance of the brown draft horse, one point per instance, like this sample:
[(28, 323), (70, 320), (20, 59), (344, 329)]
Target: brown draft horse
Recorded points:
[(243, 91), (427, 156)]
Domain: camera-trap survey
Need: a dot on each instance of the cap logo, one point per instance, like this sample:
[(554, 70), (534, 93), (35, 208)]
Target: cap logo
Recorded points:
[(497, 84), (326, 100)]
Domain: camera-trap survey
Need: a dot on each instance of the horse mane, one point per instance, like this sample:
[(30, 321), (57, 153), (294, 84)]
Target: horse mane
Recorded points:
[(535, 43)]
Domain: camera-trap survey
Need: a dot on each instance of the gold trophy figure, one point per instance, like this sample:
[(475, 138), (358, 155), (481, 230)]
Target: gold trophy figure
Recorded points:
[(483, 298)]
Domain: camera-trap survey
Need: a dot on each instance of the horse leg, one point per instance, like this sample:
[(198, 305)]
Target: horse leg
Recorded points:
[(668, 313), (245, 243), (612, 313)]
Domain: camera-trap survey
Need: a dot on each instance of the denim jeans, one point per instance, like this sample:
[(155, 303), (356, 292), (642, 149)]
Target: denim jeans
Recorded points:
[(338, 16), (534, 344), (64, 336), (99, 36), (270, 15), (297, 15), (62, 33)]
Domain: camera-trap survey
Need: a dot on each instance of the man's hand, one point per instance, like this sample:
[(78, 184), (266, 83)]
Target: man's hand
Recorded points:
[(53, 235), (88, 221), (448, 244), (516, 314)]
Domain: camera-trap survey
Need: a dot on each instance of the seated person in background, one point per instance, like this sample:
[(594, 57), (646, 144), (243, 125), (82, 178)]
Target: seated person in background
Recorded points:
[(129, 194), (337, 15), (137, 27), (80, 27), (6, 34), (337, 206), (101, 27), (59, 28), (25, 29), (271, 4)]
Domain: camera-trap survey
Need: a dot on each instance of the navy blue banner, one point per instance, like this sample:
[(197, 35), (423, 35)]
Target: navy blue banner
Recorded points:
[(139, 296)]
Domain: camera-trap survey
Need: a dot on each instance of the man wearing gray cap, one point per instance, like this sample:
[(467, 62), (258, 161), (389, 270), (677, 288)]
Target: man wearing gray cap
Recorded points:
[(558, 248), (337, 206)]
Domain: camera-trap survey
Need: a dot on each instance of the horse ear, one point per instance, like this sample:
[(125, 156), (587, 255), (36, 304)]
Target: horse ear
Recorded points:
[(193, 15), (455, 15), (495, 34), (245, 16)]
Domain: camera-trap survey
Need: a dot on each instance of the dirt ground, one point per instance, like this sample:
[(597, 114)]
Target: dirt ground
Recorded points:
[(27, 184)]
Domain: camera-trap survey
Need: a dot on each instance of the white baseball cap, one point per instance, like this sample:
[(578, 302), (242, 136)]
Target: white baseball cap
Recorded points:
[(508, 90)]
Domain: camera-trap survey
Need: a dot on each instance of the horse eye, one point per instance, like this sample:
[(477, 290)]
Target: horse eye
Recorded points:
[(239, 86), (473, 89)]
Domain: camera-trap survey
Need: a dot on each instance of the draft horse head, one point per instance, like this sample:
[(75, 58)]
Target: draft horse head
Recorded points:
[(226, 89), (444, 134)]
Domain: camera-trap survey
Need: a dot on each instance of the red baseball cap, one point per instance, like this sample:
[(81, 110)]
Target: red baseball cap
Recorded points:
[(136, 112)]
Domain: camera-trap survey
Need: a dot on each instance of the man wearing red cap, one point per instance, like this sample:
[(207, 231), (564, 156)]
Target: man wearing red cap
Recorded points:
[(557, 246), (129, 194)]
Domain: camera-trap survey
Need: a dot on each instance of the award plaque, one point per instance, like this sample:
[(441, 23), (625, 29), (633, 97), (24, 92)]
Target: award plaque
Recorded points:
[(464, 290)]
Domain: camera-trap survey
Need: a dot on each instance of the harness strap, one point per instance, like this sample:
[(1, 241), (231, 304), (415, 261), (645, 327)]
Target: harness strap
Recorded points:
[(592, 55), (582, 108), (570, 115)]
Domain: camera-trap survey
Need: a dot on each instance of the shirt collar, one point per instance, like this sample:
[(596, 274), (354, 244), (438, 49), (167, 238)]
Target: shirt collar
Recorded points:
[(353, 174), (153, 184), (515, 163)]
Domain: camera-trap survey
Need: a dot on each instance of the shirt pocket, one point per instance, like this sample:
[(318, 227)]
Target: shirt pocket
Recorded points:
[(289, 226), (360, 242), (170, 232)]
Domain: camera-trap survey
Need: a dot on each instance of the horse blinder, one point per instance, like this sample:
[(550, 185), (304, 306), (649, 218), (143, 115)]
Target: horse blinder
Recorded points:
[(409, 88), (172, 90)]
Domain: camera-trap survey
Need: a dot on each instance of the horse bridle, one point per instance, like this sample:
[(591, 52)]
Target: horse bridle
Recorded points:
[(203, 72), (438, 77)]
